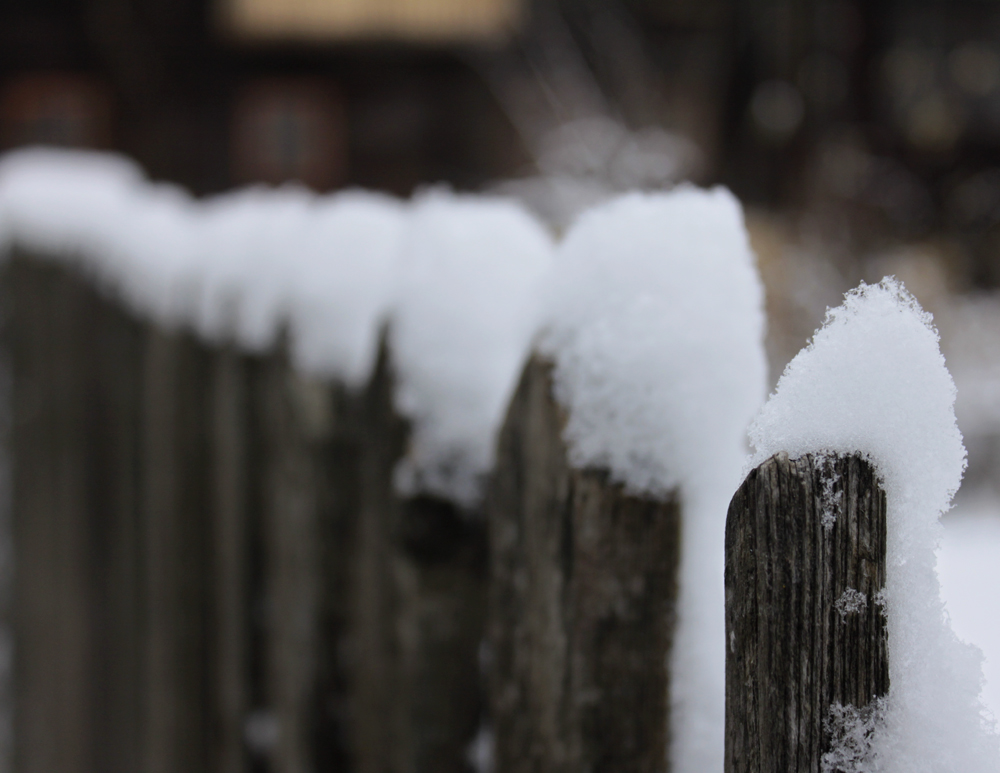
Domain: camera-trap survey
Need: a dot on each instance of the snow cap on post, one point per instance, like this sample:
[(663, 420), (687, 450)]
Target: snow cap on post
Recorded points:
[(461, 327), (654, 318), (655, 324), (873, 381), (100, 211), (323, 264)]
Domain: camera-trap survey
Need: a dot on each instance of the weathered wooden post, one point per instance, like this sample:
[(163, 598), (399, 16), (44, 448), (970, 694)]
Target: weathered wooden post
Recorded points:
[(230, 536), (129, 525), (419, 606), (582, 604), (75, 430), (175, 546), (805, 562), (308, 497), (289, 525)]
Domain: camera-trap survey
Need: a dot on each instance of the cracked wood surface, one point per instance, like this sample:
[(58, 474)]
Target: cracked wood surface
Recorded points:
[(805, 543), (582, 605)]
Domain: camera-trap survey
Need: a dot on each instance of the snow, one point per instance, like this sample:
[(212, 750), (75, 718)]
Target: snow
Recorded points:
[(325, 265), (970, 582), (97, 210), (851, 601), (457, 275), (654, 321), (465, 314), (239, 265), (873, 381)]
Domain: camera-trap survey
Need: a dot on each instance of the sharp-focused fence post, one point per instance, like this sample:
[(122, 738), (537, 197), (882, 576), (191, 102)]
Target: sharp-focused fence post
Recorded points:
[(582, 604), (419, 607), (805, 561)]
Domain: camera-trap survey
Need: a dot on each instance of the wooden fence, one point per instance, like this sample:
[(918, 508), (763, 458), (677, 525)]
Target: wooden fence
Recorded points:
[(215, 573)]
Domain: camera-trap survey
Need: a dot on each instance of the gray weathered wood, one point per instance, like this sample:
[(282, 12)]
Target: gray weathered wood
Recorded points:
[(582, 604), (337, 448), (75, 430), (230, 550), (418, 615), (291, 528), (209, 538), (308, 489), (803, 537), (176, 550)]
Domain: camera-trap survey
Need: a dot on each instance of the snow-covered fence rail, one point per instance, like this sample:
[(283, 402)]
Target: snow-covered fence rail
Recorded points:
[(583, 602), (805, 564), (301, 545)]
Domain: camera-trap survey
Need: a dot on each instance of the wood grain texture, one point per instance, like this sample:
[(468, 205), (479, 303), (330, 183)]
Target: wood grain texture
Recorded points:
[(801, 533), (211, 542), (582, 604), (292, 573), (127, 459)]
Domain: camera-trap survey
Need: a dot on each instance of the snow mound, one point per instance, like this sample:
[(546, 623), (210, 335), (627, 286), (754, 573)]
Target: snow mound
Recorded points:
[(873, 381), (655, 323), (323, 265), (465, 312), (98, 211)]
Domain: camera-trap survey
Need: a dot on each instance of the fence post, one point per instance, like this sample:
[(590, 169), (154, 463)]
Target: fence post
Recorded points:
[(290, 521), (75, 409), (176, 549), (805, 561), (310, 456), (182, 517), (230, 551), (419, 598), (582, 603)]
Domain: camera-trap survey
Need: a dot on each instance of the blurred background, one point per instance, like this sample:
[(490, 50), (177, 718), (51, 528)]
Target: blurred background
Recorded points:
[(863, 137)]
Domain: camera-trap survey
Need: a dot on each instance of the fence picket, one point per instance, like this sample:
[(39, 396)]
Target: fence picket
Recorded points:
[(420, 585), (805, 560), (583, 593)]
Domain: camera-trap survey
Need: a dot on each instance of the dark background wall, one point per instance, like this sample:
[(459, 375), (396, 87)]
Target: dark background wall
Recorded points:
[(881, 119)]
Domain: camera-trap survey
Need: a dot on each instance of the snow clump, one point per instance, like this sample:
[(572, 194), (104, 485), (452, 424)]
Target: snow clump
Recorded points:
[(322, 264), (98, 212), (655, 324), (873, 381), (466, 310)]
